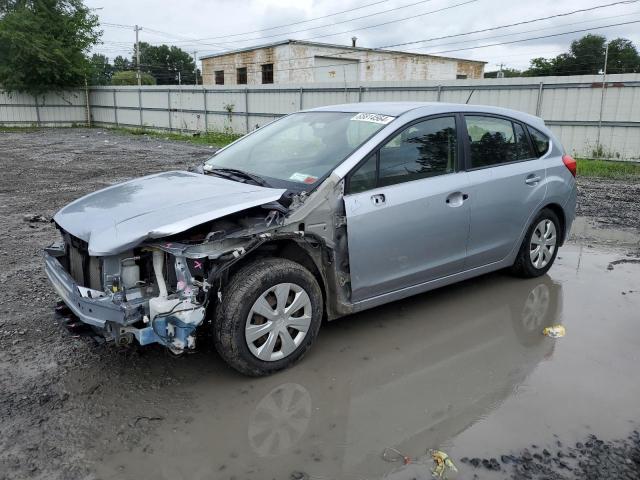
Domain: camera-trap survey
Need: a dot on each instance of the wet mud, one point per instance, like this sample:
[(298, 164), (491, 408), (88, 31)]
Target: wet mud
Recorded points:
[(464, 369)]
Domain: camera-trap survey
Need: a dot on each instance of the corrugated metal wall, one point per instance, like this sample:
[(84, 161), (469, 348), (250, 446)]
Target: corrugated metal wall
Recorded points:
[(571, 106)]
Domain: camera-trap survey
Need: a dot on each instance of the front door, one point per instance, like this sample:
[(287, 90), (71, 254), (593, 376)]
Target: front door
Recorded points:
[(506, 187), (407, 211)]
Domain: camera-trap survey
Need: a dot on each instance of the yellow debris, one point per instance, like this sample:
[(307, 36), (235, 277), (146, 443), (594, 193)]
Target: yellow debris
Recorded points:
[(443, 464), (554, 331)]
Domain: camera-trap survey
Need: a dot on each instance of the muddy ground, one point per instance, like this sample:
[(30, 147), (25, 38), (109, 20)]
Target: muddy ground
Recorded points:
[(463, 369)]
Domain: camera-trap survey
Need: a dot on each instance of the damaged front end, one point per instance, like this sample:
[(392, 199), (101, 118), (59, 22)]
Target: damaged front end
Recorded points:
[(158, 292), (144, 293)]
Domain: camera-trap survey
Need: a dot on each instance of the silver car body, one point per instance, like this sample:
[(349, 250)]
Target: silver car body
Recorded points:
[(367, 248)]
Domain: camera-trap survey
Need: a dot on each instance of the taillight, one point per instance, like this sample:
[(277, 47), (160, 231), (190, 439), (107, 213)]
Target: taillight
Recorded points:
[(570, 163)]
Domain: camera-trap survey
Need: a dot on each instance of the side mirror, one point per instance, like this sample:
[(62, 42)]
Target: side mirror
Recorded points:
[(197, 169)]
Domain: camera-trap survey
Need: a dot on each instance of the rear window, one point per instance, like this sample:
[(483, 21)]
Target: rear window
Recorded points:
[(540, 140)]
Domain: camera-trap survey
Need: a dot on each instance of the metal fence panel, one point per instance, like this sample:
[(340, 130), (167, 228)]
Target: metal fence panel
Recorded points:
[(571, 106)]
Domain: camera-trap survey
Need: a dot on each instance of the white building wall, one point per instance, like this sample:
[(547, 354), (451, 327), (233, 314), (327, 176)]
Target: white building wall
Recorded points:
[(303, 63)]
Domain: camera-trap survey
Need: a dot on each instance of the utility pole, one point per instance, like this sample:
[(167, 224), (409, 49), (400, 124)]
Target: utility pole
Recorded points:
[(500, 73), (195, 69), (137, 30), (604, 87)]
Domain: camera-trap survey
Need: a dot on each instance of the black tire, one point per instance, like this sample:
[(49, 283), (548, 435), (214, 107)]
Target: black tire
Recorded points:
[(239, 296), (523, 266)]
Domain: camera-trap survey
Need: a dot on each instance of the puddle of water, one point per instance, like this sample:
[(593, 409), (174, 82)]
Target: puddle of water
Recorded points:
[(464, 369), (585, 229)]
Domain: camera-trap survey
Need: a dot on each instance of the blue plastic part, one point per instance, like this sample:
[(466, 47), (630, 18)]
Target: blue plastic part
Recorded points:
[(148, 335)]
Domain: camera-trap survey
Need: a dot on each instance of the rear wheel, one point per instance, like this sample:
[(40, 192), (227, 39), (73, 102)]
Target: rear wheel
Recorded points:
[(539, 247), (270, 314)]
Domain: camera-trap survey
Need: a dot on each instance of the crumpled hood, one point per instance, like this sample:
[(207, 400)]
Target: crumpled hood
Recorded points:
[(121, 216)]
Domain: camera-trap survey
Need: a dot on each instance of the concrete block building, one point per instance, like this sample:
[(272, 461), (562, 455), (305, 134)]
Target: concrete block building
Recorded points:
[(299, 61)]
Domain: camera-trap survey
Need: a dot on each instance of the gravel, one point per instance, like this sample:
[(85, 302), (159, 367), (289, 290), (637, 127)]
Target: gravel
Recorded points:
[(611, 203), (593, 459)]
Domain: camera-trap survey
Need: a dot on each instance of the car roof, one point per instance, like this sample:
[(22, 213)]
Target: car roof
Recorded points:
[(396, 109)]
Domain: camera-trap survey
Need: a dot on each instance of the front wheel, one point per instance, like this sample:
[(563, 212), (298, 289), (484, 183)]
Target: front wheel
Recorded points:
[(270, 314), (539, 247)]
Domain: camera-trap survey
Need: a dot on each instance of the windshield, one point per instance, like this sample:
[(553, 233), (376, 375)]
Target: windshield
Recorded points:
[(301, 148)]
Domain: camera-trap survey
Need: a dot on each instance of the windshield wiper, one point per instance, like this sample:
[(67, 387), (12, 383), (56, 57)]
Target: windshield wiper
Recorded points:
[(232, 172)]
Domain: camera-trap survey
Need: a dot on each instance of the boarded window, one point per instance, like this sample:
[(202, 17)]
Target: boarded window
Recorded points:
[(242, 76), (267, 73), (219, 77)]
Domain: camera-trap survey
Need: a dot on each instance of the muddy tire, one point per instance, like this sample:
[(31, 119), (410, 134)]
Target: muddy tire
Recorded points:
[(539, 246), (270, 313)]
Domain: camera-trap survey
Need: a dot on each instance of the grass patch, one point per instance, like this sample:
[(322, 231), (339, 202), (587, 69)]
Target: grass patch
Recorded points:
[(607, 168), (217, 139), (18, 129)]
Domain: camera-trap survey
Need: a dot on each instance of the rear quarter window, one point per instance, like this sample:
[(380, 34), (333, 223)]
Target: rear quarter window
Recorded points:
[(540, 141)]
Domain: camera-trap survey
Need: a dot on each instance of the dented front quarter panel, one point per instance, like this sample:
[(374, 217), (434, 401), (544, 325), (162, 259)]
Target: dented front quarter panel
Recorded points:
[(120, 217)]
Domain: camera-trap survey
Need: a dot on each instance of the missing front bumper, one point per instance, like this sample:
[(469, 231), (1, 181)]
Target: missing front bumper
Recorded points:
[(123, 321)]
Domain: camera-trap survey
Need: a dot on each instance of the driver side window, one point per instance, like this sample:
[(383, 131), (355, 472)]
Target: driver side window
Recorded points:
[(424, 149)]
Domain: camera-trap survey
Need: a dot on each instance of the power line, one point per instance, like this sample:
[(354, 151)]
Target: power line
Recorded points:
[(495, 28), (299, 22), (349, 51), (350, 20), (536, 38), (573, 12), (472, 48), (531, 31)]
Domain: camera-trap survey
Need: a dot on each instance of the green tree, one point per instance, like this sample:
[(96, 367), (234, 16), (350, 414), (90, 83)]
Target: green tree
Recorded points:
[(121, 63), (165, 62), (44, 44), (130, 78), (101, 70), (586, 56)]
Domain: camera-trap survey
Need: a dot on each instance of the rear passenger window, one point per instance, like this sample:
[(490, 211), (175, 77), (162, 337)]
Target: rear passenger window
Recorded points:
[(524, 150), (493, 141), (425, 149), (540, 140)]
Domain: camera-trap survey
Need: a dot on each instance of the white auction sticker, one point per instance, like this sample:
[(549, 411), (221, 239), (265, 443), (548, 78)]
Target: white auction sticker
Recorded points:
[(373, 118)]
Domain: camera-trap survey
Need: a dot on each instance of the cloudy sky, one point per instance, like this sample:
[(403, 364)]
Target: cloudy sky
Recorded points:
[(209, 26)]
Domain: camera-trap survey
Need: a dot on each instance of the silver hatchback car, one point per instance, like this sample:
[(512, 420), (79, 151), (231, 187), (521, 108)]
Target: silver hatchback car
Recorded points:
[(317, 215)]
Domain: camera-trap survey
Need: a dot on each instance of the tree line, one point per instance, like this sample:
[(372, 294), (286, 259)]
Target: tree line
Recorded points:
[(160, 65), (47, 45), (586, 56)]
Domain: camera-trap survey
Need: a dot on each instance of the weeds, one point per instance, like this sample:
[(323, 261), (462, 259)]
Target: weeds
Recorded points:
[(217, 139), (607, 168)]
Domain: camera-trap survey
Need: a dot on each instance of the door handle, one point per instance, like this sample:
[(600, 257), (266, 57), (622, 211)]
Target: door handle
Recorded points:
[(532, 179), (378, 199), (456, 199)]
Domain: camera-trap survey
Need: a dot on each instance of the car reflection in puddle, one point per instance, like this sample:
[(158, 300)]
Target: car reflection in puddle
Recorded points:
[(410, 375)]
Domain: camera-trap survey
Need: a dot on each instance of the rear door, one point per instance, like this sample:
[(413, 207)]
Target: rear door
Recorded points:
[(506, 186), (407, 211)]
